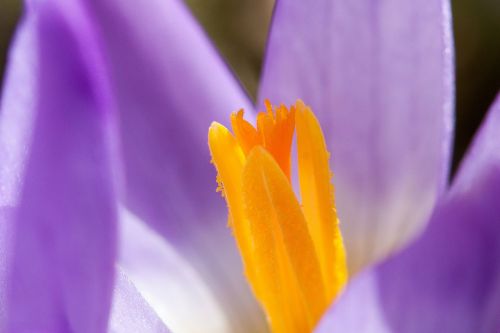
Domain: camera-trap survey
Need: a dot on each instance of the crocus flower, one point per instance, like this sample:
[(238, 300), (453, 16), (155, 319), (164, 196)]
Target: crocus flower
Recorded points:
[(109, 220)]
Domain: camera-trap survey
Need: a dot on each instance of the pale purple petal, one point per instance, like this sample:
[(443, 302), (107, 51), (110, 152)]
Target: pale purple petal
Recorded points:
[(61, 267), (5, 253), (130, 313), (16, 117), (179, 295), (17, 109), (170, 84), (379, 75), (449, 279)]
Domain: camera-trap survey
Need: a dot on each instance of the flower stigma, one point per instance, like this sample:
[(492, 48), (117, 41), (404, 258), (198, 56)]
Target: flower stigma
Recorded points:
[(293, 254)]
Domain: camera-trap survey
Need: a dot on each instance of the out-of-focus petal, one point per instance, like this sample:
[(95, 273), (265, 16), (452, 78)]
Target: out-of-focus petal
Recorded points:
[(17, 109), (449, 279), (5, 253), (379, 75), (168, 283), (169, 84), (130, 313), (60, 270), (16, 117)]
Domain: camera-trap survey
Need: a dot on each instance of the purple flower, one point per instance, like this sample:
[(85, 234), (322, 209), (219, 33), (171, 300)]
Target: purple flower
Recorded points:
[(108, 216)]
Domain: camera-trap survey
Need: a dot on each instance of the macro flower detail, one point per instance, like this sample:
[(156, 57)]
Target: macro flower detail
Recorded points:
[(293, 253), (108, 218)]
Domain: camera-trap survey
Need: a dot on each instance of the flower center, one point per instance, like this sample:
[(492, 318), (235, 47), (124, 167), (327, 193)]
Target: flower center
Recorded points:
[(293, 253)]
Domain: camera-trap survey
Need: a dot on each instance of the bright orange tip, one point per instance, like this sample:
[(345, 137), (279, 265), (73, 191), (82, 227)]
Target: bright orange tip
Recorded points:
[(274, 132), (292, 252)]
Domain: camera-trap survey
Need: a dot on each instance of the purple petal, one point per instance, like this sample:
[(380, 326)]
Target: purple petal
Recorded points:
[(449, 279), (130, 312), (17, 109), (170, 84), (16, 118), (63, 248), (168, 283), (379, 75), (5, 255)]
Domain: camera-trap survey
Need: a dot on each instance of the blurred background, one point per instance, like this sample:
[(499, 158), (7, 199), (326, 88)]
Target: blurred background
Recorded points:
[(239, 29)]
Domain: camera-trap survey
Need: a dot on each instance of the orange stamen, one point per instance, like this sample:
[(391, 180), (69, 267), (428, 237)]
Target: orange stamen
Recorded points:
[(274, 132), (292, 252)]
